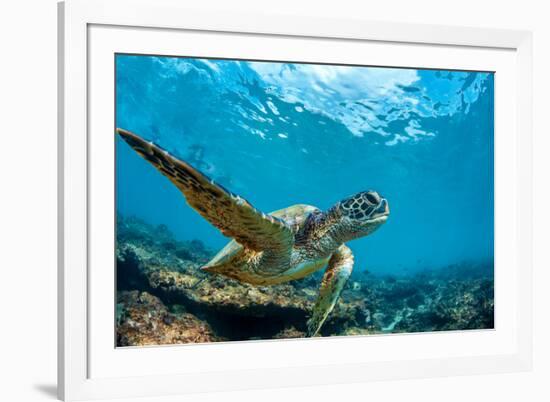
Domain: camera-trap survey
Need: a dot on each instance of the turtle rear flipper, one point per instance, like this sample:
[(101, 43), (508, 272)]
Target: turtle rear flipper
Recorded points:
[(232, 215), (336, 275)]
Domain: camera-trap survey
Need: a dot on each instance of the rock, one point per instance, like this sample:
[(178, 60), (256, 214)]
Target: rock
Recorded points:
[(146, 321), (166, 272), (289, 332)]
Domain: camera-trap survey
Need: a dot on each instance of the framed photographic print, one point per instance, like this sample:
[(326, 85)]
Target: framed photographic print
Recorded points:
[(258, 201)]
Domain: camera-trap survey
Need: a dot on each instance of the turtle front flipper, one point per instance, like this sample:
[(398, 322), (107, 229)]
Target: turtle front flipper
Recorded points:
[(336, 275), (232, 215)]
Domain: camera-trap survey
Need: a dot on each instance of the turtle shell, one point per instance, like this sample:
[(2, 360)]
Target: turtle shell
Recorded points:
[(294, 216)]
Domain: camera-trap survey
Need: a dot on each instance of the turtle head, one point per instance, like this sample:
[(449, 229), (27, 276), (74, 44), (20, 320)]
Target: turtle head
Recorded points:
[(361, 214)]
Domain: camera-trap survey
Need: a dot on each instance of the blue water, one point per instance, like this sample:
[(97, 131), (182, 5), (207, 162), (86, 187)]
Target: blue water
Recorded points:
[(279, 134)]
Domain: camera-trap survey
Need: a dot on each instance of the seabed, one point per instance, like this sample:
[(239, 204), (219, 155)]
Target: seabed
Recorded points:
[(164, 298)]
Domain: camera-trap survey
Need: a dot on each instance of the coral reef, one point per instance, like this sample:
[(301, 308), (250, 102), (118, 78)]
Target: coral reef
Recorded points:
[(164, 298)]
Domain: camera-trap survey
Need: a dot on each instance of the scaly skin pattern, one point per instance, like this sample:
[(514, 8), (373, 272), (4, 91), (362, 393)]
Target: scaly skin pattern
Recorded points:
[(334, 280)]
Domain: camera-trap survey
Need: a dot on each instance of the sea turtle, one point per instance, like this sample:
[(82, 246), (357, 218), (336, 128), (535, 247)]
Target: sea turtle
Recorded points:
[(282, 246)]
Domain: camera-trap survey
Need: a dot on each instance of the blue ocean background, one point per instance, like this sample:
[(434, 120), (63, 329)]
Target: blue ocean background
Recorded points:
[(280, 134)]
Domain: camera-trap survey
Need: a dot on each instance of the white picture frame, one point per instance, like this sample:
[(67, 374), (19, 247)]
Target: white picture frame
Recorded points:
[(90, 369)]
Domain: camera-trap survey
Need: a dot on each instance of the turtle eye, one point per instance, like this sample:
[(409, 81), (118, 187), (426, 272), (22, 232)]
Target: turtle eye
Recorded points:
[(373, 197)]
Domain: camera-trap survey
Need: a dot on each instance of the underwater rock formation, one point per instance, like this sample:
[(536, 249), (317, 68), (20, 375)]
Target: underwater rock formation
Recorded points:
[(159, 280), (142, 319)]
